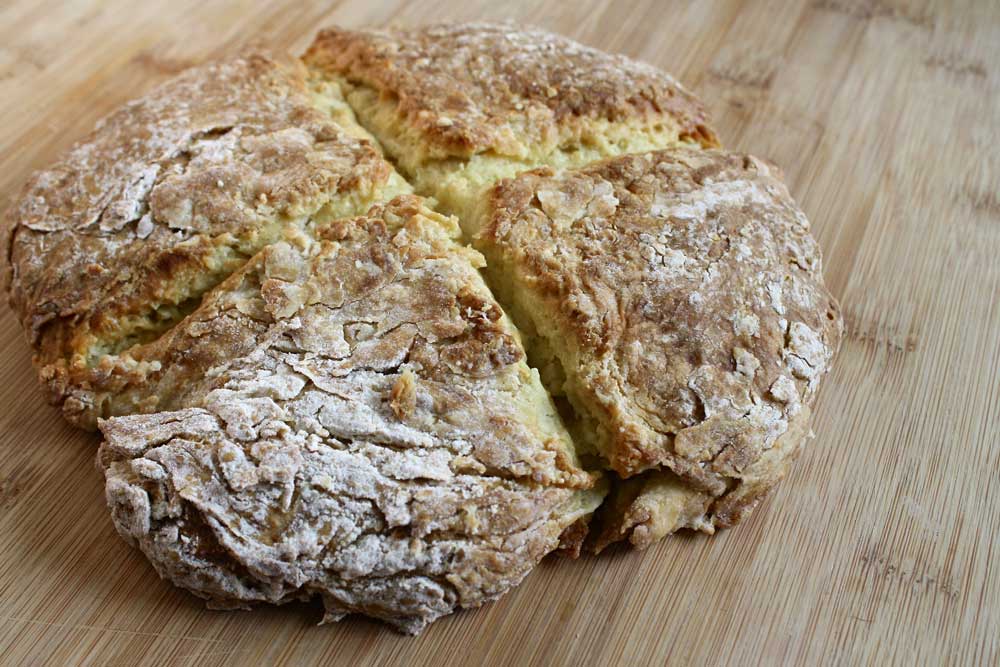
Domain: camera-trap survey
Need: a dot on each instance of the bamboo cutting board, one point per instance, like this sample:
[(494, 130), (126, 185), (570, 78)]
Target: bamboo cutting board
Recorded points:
[(883, 544)]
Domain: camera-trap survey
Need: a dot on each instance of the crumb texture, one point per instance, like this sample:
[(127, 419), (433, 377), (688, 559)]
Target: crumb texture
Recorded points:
[(682, 293)]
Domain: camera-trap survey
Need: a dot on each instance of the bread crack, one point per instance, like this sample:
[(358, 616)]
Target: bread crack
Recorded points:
[(114, 244), (676, 322)]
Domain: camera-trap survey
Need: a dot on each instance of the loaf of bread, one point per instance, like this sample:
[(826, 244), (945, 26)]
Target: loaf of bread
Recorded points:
[(388, 323)]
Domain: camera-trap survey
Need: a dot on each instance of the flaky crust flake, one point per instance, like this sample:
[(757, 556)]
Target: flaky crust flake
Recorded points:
[(687, 291)]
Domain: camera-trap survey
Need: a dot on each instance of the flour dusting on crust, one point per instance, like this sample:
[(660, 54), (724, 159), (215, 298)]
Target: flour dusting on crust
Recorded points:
[(374, 442), (683, 293), (167, 197)]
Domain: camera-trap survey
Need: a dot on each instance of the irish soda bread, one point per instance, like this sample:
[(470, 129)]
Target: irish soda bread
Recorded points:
[(306, 386)]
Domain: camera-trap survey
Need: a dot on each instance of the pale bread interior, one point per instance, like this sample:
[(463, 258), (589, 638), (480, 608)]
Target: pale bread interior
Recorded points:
[(458, 184), (233, 252)]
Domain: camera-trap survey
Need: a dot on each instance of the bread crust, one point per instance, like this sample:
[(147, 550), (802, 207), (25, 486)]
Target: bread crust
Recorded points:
[(467, 88), (167, 196), (684, 295), (370, 437)]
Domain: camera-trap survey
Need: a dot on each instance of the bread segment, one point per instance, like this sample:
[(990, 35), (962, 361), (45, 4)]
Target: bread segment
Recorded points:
[(352, 418), (675, 298), (117, 241), (459, 106)]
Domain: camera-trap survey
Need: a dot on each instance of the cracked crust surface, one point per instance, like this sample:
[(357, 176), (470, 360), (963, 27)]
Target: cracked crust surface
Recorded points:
[(364, 427), (169, 195), (460, 105), (676, 299), (467, 88), (311, 399)]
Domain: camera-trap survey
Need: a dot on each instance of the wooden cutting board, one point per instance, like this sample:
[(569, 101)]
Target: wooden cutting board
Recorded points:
[(883, 544)]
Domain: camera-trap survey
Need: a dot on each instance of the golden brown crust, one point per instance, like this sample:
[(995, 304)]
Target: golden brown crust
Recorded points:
[(389, 292), (684, 294), (164, 199), (368, 379), (467, 88)]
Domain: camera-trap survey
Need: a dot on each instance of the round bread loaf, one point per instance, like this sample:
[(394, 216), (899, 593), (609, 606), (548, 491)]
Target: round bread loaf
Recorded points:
[(306, 386)]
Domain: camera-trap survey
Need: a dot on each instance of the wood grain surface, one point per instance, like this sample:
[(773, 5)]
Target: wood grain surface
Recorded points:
[(882, 546)]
